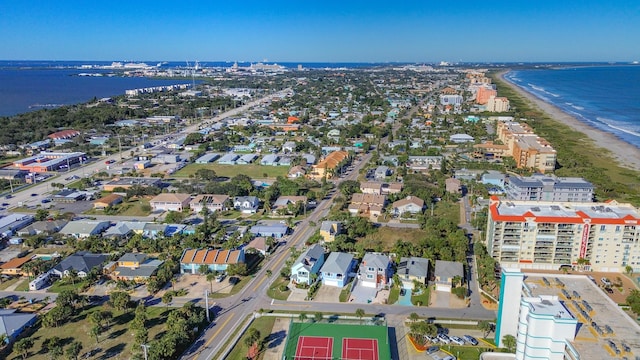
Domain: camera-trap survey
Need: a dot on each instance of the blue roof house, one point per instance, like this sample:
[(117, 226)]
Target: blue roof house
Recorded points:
[(307, 264)]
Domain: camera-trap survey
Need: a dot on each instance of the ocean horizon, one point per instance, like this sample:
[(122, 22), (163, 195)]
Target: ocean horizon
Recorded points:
[(604, 97)]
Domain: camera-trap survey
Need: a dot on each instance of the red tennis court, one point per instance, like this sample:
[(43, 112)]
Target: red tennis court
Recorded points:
[(314, 348), (359, 349)]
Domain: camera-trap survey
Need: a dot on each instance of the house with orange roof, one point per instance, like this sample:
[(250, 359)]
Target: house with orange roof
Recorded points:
[(215, 260), (329, 165), (14, 266), (108, 200)]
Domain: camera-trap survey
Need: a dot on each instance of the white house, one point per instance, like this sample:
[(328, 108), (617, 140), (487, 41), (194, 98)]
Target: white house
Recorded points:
[(375, 270), (307, 264)]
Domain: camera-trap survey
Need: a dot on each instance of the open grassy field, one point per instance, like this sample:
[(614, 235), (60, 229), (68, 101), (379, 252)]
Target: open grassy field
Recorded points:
[(264, 325), (115, 342), (274, 291), (387, 236), (132, 207), (254, 171)]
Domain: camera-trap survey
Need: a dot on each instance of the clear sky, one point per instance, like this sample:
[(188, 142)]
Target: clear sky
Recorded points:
[(321, 31)]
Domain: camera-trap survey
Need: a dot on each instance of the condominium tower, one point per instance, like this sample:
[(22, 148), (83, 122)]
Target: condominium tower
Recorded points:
[(548, 235)]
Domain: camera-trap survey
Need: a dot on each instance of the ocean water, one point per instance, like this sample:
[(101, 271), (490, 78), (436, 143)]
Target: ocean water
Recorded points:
[(605, 97)]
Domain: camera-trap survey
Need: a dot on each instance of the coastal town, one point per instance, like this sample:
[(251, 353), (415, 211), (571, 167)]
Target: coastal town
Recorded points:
[(259, 212)]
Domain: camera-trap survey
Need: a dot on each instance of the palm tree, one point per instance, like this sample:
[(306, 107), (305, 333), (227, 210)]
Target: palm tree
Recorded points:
[(509, 342), (414, 317), (318, 317), (302, 317), (210, 278), (360, 313)]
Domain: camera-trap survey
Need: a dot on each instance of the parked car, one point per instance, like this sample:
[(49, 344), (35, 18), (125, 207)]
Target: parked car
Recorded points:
[(449, 357), (457, 340), (433, 349), (219, 278), (470, 339), (444, 339), (609, 290)]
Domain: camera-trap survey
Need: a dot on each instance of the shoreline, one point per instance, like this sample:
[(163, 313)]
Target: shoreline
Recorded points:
[(625, 154)]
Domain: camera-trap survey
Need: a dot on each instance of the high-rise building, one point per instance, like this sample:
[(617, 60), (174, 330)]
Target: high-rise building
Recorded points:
[(484, 93), (497, 104), (509, 306), (549, 235)]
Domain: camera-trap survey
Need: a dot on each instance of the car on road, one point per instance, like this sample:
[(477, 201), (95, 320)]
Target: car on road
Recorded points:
[(109, 162), (5, 204), (457, 340), (433, 349), (44, 201), (470, 339), (8, 196), (34, 194)]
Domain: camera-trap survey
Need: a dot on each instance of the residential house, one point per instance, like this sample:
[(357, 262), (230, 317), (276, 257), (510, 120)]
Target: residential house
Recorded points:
[(246, 159), (296, 172), (337, 269), (45, 226), (107, 201), (270, 160), (126, 183), (14, 266), (84, 228), (289, 147), (228, 159), (371, 187), (375, 270), (392, 188), (412, 269), (287, 205), (212, 202), (215, 260), (445, 273), (424, 163), (273, 230), (81, 262), (381, 172), (246, 204), (136, 267), (453, 185), (170, 202), (13, 323), (367, 204), (307, 265), (259, 244), (207, 158), (310, 159), (409, 205), (152, 230), (124, 229), (329, 230)]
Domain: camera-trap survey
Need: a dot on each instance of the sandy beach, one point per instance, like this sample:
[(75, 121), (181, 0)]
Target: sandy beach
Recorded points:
[(626, 154)]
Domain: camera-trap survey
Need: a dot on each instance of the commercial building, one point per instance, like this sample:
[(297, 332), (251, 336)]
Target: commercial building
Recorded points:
[(329, 165), (549, 235), (49, 161), (548, 188), (215, 260)]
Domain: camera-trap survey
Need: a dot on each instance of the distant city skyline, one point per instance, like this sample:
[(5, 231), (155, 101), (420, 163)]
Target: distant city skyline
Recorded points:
[(327, 31)]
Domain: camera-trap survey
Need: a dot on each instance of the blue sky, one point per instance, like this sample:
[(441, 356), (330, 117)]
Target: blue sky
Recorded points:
[(322, 31)]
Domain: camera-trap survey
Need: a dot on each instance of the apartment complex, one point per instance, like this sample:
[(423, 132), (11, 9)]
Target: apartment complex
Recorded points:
[(526, 148), (548, 235), (548, 188), (329, 165), (484, 93), (497, 104)]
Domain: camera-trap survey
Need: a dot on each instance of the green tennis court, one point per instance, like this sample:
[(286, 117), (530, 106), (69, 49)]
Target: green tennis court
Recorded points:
[(340, 334)]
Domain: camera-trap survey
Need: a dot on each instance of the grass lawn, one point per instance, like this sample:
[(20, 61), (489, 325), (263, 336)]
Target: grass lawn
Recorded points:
[(274, 291), (115, 341), (344, 294), (133, 207), (387, 236), (264, 325), (394, 294), (253, 170), (5, 284), (60, 286), (23, 286), (423, 298), (466, 352)]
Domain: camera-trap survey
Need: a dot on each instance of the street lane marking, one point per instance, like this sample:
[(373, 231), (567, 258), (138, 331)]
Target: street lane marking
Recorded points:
[(259, 283), (220, 329)]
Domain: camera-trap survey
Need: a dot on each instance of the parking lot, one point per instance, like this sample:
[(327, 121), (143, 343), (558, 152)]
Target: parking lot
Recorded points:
[(604, 326)]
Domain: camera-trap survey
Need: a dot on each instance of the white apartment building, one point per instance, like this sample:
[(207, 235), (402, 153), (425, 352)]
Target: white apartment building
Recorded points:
[(548, 235), (545, 327)]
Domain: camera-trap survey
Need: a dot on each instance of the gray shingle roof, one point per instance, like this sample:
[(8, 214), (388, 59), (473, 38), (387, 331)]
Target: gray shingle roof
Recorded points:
[(414, 266), (337, 263), (448, 269), (311, 255), (81, 261)]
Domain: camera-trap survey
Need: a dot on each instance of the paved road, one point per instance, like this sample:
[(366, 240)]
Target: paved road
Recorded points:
[(43, 188), (232, 310)]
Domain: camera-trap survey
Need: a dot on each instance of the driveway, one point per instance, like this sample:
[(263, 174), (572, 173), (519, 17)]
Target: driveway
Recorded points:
[(328, 293), (362, 294), (297, 294)]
